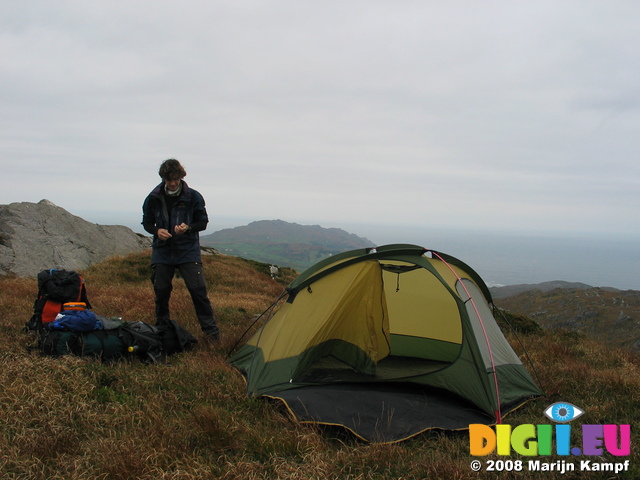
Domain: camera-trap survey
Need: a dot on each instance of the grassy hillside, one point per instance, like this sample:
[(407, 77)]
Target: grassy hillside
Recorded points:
[(74, 418), (610, 316)]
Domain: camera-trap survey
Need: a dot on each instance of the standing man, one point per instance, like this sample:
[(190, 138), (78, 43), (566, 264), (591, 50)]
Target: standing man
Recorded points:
[(174, 214)]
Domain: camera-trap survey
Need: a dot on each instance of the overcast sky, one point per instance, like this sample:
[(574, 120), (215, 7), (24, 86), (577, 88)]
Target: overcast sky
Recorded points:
[(505, 115)]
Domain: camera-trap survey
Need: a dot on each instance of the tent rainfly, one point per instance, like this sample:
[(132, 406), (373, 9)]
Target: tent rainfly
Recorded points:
[(387, 342)]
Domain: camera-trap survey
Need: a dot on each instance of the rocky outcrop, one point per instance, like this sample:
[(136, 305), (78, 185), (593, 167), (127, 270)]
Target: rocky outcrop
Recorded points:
[(38, 236)]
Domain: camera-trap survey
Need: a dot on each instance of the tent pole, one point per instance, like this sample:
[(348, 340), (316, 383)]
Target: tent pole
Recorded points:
[(497, 413)]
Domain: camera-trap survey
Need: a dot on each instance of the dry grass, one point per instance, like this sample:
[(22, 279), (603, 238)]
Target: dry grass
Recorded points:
[(74, 418)]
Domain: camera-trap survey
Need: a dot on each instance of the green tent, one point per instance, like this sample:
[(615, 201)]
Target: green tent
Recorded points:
[(387, 342)]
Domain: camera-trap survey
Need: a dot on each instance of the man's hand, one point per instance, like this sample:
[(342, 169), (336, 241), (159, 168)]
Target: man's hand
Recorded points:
[(163, 234), (182, 228)]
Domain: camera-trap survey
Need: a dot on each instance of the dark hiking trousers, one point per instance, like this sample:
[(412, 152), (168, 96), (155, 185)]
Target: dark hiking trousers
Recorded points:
[(192, 274)]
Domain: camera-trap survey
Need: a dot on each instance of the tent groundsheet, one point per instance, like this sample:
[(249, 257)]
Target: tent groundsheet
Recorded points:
[(381, 412)]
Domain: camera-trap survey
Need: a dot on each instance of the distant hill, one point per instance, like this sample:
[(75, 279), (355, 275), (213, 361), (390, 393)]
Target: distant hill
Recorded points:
[(605, 314), (510, 290), (284, 244)]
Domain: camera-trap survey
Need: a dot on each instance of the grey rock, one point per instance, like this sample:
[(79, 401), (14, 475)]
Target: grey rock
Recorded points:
[(623, 317), (39, 236)]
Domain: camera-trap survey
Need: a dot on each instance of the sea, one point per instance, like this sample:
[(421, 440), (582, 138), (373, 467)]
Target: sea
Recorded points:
[(503, 258)]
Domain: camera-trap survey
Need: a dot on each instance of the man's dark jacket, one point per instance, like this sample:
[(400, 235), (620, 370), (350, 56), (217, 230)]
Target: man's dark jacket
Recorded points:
[(188, 208)]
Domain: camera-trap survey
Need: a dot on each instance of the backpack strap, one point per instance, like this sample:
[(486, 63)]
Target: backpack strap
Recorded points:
[(82, 295)]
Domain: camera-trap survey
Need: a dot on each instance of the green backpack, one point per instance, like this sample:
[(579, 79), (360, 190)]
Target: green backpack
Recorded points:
[(58, 342), (107, 345), (138, 339)]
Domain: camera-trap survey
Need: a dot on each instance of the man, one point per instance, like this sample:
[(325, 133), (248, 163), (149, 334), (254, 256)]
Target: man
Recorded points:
[(174, 214)]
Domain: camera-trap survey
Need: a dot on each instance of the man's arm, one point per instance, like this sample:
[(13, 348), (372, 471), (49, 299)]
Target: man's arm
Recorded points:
[(200, 217)]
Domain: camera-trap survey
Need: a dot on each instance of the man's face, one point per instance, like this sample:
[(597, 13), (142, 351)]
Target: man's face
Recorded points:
[(172, 184)]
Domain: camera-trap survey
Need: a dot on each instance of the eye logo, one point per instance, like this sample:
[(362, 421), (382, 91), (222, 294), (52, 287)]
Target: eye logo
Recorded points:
[(563, 412)]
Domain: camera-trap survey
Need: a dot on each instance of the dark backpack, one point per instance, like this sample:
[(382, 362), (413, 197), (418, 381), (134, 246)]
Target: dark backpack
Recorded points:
[(175, 338), (55, 288), (142, 340), (60, 285)]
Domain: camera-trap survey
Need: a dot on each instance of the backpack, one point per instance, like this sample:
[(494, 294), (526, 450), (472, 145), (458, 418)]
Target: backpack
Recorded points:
[(174, 337), (57, 342), (55, 288), (107, 345), (131, 338), (142, 340)]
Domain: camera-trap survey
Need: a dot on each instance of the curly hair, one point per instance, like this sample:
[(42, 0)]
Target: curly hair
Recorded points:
[(172, 170)]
